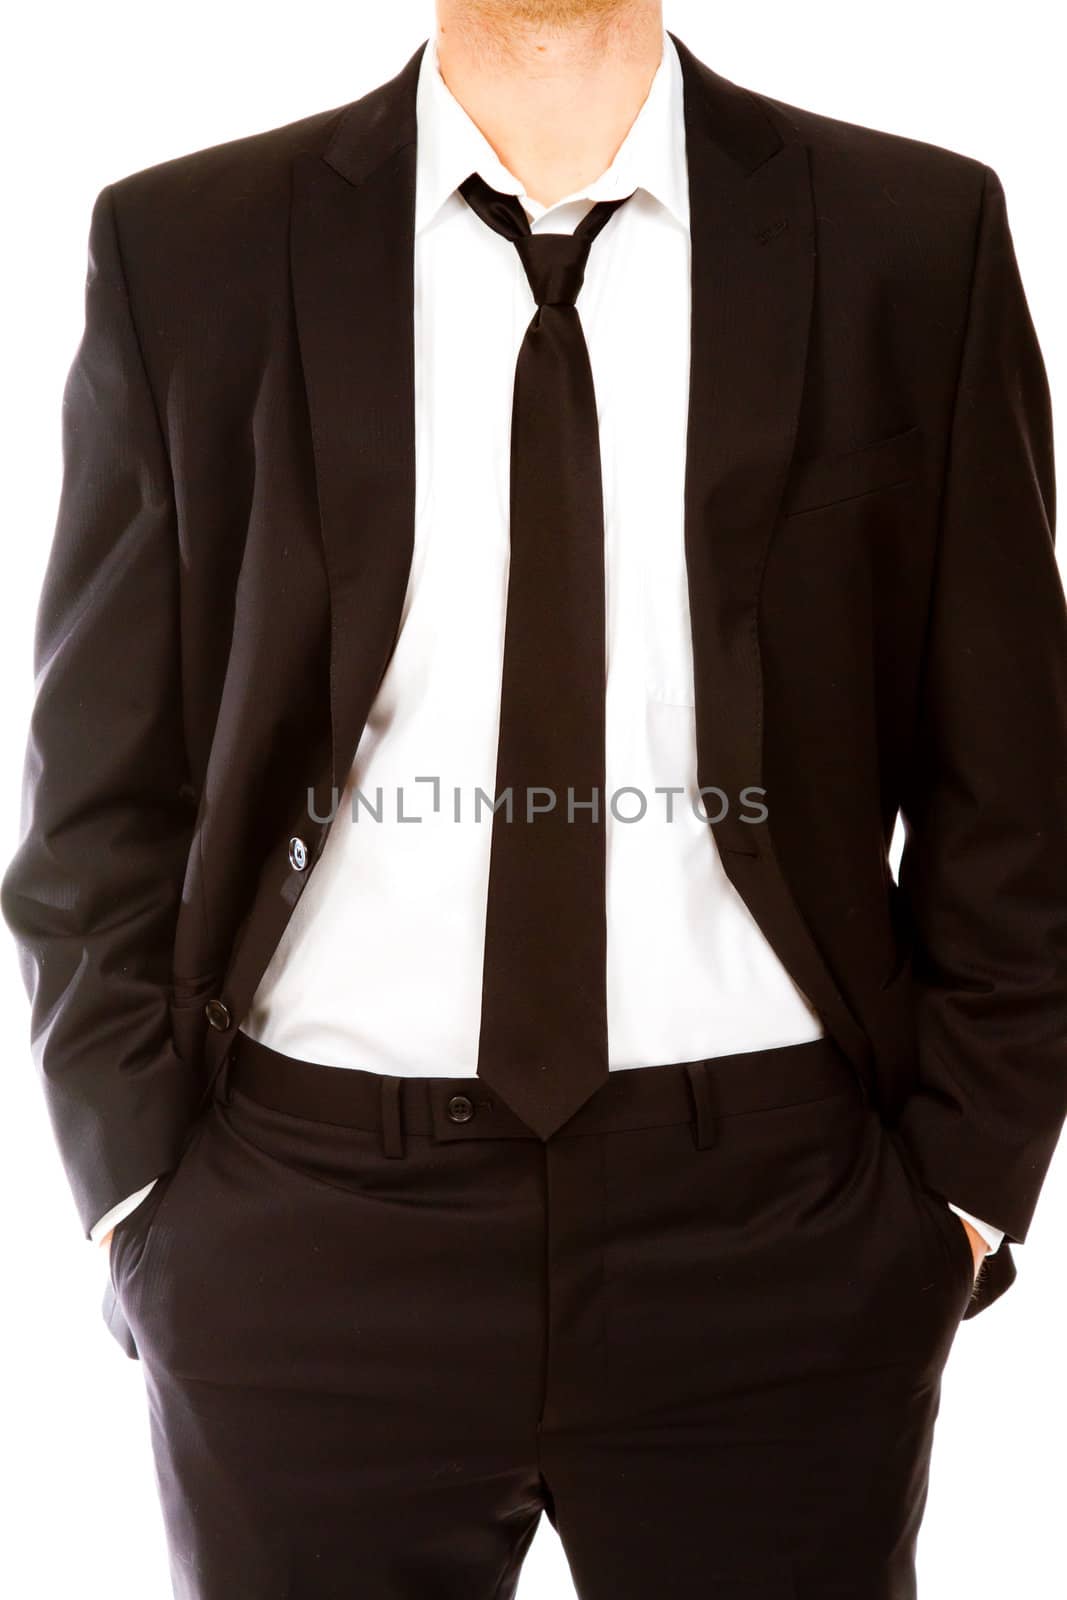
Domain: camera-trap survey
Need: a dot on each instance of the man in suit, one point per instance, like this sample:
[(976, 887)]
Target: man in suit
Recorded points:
[(526, 536)]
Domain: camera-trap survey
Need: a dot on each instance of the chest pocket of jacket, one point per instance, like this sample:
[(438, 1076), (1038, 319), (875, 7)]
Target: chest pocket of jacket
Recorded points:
[(830, 480)]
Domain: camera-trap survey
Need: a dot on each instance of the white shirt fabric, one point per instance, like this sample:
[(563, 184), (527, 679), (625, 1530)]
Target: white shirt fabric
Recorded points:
[(380, 965)]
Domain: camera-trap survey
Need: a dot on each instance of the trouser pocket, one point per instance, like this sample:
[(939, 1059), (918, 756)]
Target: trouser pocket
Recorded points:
[(799, 1241), (949, 1246)]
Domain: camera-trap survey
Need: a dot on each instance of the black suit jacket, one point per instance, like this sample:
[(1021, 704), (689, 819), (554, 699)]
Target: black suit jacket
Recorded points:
[(878, 622)]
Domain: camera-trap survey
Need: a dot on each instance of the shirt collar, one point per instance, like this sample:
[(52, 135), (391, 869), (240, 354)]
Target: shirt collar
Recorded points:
[(450, 147)]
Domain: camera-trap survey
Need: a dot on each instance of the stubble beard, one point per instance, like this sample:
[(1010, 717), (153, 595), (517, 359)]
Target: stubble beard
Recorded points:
[(551, 15)]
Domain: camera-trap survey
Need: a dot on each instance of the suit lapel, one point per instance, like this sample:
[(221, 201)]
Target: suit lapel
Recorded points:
[(352, 250), (752, 289), (753, 279)]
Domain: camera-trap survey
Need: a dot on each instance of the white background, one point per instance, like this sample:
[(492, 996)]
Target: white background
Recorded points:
[(94, 92)]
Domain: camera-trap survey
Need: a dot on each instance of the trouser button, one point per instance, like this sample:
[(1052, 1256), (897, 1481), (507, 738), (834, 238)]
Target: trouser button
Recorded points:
[(460, 1108)]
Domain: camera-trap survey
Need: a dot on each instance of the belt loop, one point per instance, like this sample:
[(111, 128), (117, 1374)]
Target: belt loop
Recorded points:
[(391, 1127), (705, 1127)]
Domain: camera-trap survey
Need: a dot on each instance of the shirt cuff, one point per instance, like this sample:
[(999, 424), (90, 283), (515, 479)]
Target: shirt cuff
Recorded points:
[(994, 1237), (119, 1213)]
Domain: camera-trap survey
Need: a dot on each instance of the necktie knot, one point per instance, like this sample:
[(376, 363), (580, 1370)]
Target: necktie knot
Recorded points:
[(554, 262), (555, 266)]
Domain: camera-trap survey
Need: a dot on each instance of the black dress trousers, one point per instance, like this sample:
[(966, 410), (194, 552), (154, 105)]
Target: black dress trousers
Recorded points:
[(384, 1328)]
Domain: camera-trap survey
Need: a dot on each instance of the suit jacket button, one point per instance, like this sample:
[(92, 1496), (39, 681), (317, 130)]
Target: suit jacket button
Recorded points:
[(218, 1015), (298, 854), (460, 1108)]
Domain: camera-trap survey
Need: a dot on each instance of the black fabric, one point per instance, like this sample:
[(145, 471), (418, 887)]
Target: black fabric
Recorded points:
[(544, 1025), (716, 1369), (877, 621)]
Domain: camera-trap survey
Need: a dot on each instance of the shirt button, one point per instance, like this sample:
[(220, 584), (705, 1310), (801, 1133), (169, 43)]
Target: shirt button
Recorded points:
[(460, 1108), (298, 854), (218, 1015)]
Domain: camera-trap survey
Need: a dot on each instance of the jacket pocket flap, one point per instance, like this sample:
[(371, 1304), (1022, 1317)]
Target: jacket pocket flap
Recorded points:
[(825, 480)]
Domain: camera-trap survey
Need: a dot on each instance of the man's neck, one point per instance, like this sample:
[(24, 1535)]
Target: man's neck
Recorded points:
[(554, 88)]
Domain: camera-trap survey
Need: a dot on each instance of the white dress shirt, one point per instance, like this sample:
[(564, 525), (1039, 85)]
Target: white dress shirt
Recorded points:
[(380, 965)]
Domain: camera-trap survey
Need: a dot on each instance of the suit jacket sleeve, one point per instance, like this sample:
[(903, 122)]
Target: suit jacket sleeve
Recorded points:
[(984, 870), (93, 890)]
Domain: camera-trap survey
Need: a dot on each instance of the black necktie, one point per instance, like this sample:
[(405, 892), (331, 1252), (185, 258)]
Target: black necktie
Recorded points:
[(544, 1037)]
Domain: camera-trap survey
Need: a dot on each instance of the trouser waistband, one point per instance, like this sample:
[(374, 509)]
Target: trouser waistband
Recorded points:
[(700, 1092)]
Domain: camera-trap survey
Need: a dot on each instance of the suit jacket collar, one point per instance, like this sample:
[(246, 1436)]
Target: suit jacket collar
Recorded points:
[(376, 127), (373, 129)]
